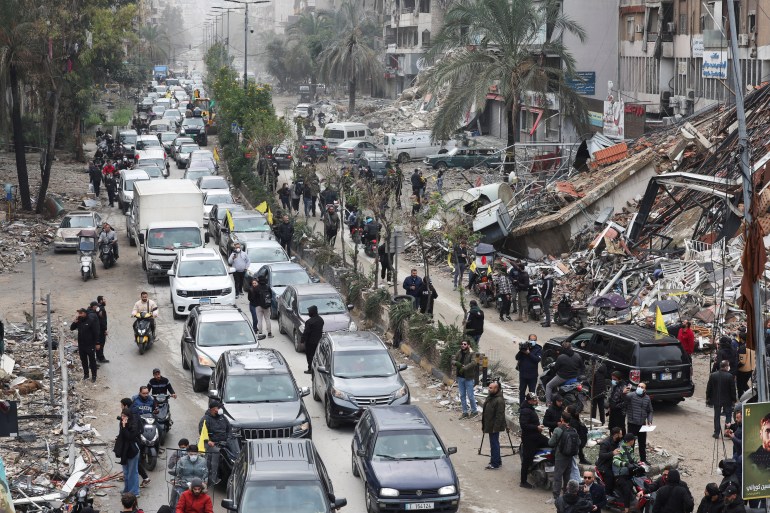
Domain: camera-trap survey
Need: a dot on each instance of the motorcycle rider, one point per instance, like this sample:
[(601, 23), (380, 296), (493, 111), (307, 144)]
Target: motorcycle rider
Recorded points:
[(189, 467), (552, 415), (145, 304), (532, 437), (108, 236), (621, 463), (160, 385), (568, 365), (528, 359), (219, 432), (371, 231), (195, 500), (143, 402), (608, 448)]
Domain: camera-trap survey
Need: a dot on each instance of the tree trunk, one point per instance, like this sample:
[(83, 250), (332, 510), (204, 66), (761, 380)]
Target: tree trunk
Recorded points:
[(512, 118), (46, 158), (18, 141), (79, 153), (351, 97)]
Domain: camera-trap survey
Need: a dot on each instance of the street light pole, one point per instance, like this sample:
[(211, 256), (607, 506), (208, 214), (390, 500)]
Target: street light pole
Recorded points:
[(246, 37), (227, 37)]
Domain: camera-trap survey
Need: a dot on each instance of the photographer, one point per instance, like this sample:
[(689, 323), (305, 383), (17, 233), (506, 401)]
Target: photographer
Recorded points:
[(528, 359)]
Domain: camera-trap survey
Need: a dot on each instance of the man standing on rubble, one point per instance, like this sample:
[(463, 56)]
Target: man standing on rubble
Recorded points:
[(547, 296), (88, 338), (522, 288)]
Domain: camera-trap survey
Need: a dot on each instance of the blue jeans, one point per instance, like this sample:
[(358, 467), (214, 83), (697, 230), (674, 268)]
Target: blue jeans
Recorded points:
[(466, 391), (494, 450), (254, 323), (131, 475), (459, 273), (308, 206)]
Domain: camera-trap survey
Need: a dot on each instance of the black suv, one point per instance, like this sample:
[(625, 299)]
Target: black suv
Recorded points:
[(640, 354), (275, 476), (353, 370), (376, 166), (404, 464), (321, 149), (259, 394)]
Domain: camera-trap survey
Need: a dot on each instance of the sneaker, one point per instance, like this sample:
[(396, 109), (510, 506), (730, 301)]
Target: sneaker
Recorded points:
[(509, 317), (463, 416), (103, 360), (715, 435), (526, 485), (85, 378), (501, 319), (492, 467), (145, 482), (269, 335), (473, 415), (93, 379)]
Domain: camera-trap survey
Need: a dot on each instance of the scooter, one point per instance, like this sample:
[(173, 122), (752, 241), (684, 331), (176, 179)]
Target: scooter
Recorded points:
[(221, 463), (575, 391), (143, 334), (567, 314), (370, 248), (541, 470), (149, 441), (107, 254), (534, 303), (86, 254), (484, 287), (640, 481), (163, 417)]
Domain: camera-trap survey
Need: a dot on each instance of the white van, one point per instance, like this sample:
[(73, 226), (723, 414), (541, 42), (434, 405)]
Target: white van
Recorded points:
[(406, 146), (335, 133)]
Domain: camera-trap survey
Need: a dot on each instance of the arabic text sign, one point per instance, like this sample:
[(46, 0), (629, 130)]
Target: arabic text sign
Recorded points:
[(714, 64)]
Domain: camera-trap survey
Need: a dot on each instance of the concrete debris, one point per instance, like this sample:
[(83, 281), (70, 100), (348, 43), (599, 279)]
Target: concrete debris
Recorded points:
[(18, 239)]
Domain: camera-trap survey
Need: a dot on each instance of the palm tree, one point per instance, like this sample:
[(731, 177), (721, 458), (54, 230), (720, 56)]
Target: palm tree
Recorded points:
[(156, 43), (350, 56), (312, 29), (513, 44)]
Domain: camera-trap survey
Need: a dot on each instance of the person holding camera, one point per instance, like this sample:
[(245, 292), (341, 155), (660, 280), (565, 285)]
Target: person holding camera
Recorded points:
[(532, 437), (467, 369), (528, 359)]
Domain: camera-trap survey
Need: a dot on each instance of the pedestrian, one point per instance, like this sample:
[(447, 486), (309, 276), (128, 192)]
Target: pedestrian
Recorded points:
[(331, 223), (95, 176), (727, 352), (440, 181), (595, 490), (398, 185), (102, 302), (552, 415), (504, 291), (582, 431), (566, 444), (568, 365), (253, 302), (467, 372), (735, 433), (720, 395), (639, 414), (532, 437), (712, 501), (239, 260), (128, 501), (621, 463), (315, 190), (608, 448), (428, 296), (547, 295), (598, 378), (617, 402), (415, 205), (88, 339), (264, 305), (416, 181), (687, 338), (746, 364), (127, 451), (195, 499), (284, 194), (474, 323), (284, 232), (297, 188), (493, 423), (413, 287), (573, 501), (314, 328), (460, 262), (522, 288), (527, 363), (386, 263), (513, 275), (307, 200), (674, 496), (110, 181)]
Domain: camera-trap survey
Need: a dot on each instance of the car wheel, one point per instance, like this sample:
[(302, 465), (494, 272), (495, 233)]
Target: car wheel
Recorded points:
[(196, 385), (370, 508), (353, 467), (280, 325), (297, 344), (131, 241), (150, 279), (185, 364), (441, 166), (403, 158), (315, 390), (174, 314), (331, 423)]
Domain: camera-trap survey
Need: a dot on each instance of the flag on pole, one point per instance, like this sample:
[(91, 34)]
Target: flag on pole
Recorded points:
[(229, 221), (204, 436), (660, 325), (216, 155), (265, 209)]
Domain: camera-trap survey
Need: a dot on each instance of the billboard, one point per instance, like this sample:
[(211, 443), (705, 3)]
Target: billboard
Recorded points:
[(756, 450), (614, 119)]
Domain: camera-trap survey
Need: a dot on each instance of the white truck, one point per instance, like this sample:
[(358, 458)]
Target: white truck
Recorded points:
[(405, 146), (165, 217)]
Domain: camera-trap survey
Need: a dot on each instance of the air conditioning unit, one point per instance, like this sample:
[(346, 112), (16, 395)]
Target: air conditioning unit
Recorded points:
[(743, 40), (691, 94), (639, 29), (671, 27)]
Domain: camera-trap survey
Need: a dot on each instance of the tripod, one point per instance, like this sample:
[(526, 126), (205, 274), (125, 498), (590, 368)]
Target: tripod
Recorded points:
[(514, 448)]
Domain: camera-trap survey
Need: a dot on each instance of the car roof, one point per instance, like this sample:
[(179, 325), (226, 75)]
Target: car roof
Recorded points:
[(212, 178), (218, 313), (199, 254), (249, 361), (355, 340), (247, 213), (398, 418), (314, 289), (374, 155), (303, 106), (281, 459), (133, 174), (645, 336), (285, 266), (79, 214), (350, 142)]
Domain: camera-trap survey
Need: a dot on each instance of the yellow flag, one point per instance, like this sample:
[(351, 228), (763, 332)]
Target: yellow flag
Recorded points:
[(265, 209), (229, 221), (216, 155), (204, 436), (449, 261), (660, 325)]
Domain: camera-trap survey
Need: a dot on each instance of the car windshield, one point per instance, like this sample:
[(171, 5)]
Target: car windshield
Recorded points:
[(171, 113), (168, 136), (658, 356), (215, 183), (266, 255), (158, 109), (331, 304), (146, 144), (188, 148), (453, 151), (334, 134), (128, 185), (193, 122), (363, 364), (152, 172), (194, 174), (216, 199), (286, 278), (262, 388), (225, 333), (198, 155), (174, 238), (128, 138), (250, 224), (151, 163), (407, 445), (283, 496), (77, 222), (197, 268)]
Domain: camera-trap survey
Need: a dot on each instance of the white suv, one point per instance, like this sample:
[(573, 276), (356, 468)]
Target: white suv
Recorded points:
[(199, 276)]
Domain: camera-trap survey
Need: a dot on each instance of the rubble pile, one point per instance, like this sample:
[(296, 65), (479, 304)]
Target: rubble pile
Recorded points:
[(19, 239)]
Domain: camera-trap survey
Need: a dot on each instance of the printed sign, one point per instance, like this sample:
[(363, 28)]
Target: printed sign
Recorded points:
[(595, 119), (715, 64), (584, 82), (697, 45), (756, 450), (614, 119)]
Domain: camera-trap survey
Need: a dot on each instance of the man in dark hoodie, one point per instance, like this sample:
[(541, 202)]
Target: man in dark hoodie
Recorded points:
[(733, 502), (220, 433), (608, 448), (314, 328), (532, 437), (568, 365), (572, 501), (552, 415), (712, 501), (726, 352), (474, 324), (527, 363), (617, 402), (674, 496), (720, 395)]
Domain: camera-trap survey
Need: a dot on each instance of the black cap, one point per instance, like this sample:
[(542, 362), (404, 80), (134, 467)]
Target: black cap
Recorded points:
[(94, 303), (731, 490), (82, 310), (156, 370), (629, 437), (192, 448), (214, 404)]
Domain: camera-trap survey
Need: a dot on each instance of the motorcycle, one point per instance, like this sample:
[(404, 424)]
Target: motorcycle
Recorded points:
[(575, 391), (149, 441), (640, 482), (370, 248), (107, 254), (163, 417), (541, 470), (482, 278), (86, 253), (143, 334), (567, 314), (220, 463), (534, 303)]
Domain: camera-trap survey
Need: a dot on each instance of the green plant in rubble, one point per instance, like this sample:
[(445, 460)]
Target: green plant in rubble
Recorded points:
[(399, 314), (373, 303), (356, 283)]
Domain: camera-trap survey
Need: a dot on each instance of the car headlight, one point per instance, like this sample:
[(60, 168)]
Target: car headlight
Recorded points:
[(339, 394), (155, 266), (352, 326), (447, 490), (388, 492), (401, 392), (205, 361), (227, 291), (181, 293)]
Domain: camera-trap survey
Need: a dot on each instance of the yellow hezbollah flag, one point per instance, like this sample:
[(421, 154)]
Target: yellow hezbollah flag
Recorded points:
[(449, 261), (265, 209), (204, 436), (660, 325), (216, 156), (229, 221)]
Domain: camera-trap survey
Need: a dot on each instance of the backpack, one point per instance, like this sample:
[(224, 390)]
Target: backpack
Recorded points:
[(299, 188), (569, 443)]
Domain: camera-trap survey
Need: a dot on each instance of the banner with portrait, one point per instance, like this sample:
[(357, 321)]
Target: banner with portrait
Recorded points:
[(756, 450)]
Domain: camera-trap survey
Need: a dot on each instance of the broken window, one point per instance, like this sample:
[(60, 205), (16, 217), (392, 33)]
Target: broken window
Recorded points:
[(752, 22)]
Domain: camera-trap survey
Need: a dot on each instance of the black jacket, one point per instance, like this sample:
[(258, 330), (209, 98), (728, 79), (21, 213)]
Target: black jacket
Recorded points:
[(720, 390), (569, 364), (552, 416), (218, 427), (529, 423), (547, 288), (89, 330), (460, 255), (314, 329), (618, 397), (598, 376), (474, 325), (284, 232), (674, 497), (385, 258), (125, 443), (258, 296), (528, 363), (606, 447), (415, 281), (708, 506), (569, 503), (735, 507), (729, 353), (160, 386), (102, 318), (415, 180)]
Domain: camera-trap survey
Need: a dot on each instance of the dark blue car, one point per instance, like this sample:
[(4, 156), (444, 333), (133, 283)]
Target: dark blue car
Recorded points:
[(403, 462)]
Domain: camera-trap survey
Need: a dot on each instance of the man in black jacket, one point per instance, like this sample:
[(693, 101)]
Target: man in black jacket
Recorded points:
[(88, 339), (608, 448), (528, 362), (568, 365), (532, 437), (101, 302), (416, 181), (413, 287), (674, 496), (598, 379), (386, 262), (284, 232), (552, 415), (712, 501), (314, 328), (727, 352), (220, 433), (474, 323), (721, 395), (547, 295), (617, 402)]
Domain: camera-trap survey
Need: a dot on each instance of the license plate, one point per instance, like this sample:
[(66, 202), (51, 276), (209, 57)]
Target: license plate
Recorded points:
[(666, 376), (205, 301), (419, 505)]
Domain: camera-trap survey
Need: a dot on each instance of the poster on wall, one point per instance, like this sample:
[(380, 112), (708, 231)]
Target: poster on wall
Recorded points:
[(756, 450), (714, 64), (697, 45), (613, 119)]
